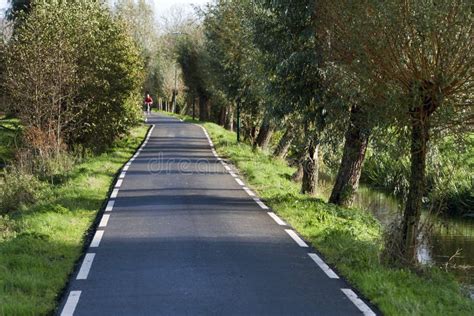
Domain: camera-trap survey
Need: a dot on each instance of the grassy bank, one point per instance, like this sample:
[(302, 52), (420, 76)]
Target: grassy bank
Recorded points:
[(39, 244), (9, 128), (350, 239)]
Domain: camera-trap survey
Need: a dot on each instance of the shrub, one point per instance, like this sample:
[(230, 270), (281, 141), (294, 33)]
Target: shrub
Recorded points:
[(73, 72), (19, 189)]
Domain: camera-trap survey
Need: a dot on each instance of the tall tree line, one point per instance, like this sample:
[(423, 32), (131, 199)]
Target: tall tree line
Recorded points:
[(322, 77)]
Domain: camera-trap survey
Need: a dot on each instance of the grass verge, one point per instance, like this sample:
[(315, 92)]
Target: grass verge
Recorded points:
[(9, 130), (40, 244), (349, 239)]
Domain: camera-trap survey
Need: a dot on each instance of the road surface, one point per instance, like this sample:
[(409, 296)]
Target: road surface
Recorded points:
[(182, 235)]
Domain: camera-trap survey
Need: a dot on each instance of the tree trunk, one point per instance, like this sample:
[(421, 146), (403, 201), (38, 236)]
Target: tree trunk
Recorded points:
[(229, 119), (311, 168), (355, 146), (298, 175), (203, 113), (222, 116), (264, 135), (284, 144), (420, 125), (173, 103)]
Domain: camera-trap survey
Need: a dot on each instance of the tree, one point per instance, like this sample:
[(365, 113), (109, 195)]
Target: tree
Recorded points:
[(234, 62), (286, 34), (73, 72), (192, 58), (17, 8), (420, 52)]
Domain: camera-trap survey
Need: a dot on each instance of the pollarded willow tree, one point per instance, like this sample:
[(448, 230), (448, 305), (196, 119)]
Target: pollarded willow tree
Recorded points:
[(235, 63), (420, 55), (286, 32)]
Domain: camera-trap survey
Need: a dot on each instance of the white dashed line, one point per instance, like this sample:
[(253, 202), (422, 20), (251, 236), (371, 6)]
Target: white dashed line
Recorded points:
[(296, 238), (104, 220), (358, 302), (97, 238), (119, 183), (71, 303), (86, 266), (125, 168), (239, 181), (233, 174), (227, 168), (110, 206), (122, 175), (114, 193), (249, 192), (260, 203), (329, 272), (276, 219)]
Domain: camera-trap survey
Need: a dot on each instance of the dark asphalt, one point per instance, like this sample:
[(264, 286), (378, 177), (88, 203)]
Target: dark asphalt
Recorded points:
[(185, 239)]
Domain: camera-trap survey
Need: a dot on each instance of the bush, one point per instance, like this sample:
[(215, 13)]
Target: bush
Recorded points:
[(19, 189), (73, 72)]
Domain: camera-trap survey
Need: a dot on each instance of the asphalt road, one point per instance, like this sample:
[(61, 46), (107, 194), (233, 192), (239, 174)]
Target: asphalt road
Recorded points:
[(181, 236)]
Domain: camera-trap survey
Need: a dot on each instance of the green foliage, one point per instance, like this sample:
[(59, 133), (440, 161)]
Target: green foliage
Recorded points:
[(78, 71), (40, 243), (449, 177), (9, 138)]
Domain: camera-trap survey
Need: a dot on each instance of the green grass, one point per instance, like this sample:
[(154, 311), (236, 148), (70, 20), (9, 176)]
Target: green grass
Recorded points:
[(40, 244), (9, 130), (349, 239)]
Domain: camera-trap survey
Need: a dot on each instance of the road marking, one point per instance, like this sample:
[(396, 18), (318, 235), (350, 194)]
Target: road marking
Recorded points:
[(126, 168), (233, 174), (276, 219), (296, 238), (97, 238), (71, 303), (110, 206), (329, 272), (122, 175), (227, 168), (119, 183), (239, 181), (86, 266), (114, 193), (358, 302), (104, 220), (260, 203), (249, 192)]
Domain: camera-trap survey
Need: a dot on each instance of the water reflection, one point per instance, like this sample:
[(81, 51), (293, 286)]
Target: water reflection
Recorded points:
[(451, 240)]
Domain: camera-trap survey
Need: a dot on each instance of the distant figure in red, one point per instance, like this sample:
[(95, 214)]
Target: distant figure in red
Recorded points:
[(148, 103)]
